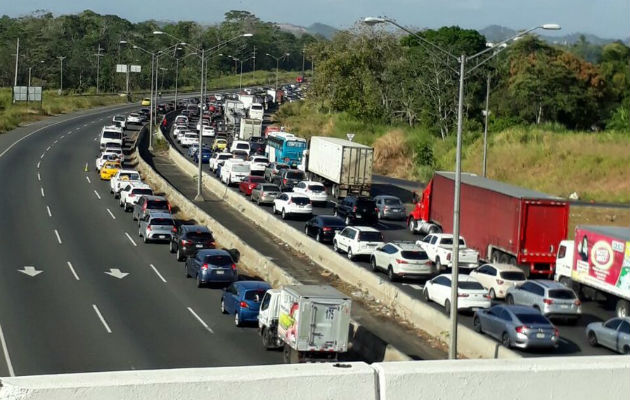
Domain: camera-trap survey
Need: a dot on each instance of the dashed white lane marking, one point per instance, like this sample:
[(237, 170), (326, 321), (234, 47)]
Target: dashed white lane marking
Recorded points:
[(100, 316), (97, 195), (5, 350), (39, 178), (157, 273), (48, 210), (48, 148), (110, 213), (42, 156), (38, 163), (61, 137), (55, 142), (88, 179), (42, 191), (201, 321), (73, 271), (131, 239), (58, 237)]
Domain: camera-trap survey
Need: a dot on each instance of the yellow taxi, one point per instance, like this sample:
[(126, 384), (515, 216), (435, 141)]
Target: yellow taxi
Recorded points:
[(109, 169), (145, 102), (219, 144)]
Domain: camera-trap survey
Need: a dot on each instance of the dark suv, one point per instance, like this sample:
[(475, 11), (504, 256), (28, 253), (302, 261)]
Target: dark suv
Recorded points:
[(189, 239), (287, 178), (357, 210)]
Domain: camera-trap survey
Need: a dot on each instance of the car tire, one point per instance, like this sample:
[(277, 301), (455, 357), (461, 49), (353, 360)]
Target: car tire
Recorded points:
[(199, 283), (258, 201), (373, 264), (447, 307), (493, 295), (350, 255), (134, 217), (625, 350), (267, 339), (380, 215), (412, 225), (284, 214), (505, 340), (179, 255), (438, 264), (335, 247), (273, 209), (306, 230), (477, 324), (592, 338), (237, 319), (425, 295), (509, 299), (391, 275), (318, 238), (171, 249), (223, 310)]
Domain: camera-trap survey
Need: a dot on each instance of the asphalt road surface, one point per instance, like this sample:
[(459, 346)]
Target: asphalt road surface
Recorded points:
[(60, 310)]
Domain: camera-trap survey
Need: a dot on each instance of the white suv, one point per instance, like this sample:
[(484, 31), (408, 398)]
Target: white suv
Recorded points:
[(189, 139), (313, 190), (357, 241), (240, 145), (121, 179), (131, 193), (292, 203), (213, 164), (111, 134), (402, 259)]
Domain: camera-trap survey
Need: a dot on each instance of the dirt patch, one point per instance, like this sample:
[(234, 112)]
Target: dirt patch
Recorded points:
[(392, 155), (585, 215)]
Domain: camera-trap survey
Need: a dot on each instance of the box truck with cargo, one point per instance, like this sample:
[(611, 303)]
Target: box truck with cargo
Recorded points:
[(249, 128)]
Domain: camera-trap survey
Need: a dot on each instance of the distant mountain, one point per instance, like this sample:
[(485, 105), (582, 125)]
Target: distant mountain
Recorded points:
[(326, 31), (496, 33)]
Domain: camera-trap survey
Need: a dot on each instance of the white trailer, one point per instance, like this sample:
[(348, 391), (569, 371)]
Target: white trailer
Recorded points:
[(345, 165), (311, 322), (247, 100), (250, 128), (234, 111)]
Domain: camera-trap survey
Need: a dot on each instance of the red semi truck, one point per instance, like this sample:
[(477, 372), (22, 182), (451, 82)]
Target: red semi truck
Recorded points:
[(504, 223)]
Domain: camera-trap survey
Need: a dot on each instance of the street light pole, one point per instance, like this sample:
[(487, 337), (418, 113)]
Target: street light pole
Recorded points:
[(98, 67), (61, 58), (485, 127), (151, 105), (199, 196), (277, 64), (17, 58)]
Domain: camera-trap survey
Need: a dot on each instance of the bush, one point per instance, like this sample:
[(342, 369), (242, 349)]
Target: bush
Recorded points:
[(620, 119)]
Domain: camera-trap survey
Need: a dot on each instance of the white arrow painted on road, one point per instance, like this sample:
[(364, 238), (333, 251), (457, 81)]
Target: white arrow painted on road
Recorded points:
[(116, 273), (30, 271)]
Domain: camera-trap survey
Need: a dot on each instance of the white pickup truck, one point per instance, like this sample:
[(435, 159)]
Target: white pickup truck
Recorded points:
[(439, 248)]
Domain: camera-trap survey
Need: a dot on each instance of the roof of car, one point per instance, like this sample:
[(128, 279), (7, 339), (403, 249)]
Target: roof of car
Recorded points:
[(248, 285), (548, 284), (364, 228), (385, 196), (504, 267), (160, 214), (137, 184), (213, 252), (460, 278), (312, 183), (195, 228), (127, 171), (404, 245), (292, 194), (154, 198), (519, 309)]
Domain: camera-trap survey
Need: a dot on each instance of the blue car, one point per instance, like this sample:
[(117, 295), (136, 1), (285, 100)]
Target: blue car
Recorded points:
[(211, 266), (194, 149), (205, 156), (243, 299)]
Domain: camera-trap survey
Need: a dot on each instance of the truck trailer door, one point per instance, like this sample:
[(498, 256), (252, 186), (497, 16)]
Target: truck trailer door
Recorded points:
[(543, 227), (322, 332)]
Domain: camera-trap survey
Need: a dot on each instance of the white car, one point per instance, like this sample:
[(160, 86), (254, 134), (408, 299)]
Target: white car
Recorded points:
[(498, 278), (258, 165), (207, 131), (134, 118), (111, 134), (121, 179), (121, 119), (357, 241), (402, 259), (470, 293), (107, 156), (181, 119), (240, 145), (313, 190), (292, 203), (130, 194), (189, 139), (439, 248), (234, 171), (213, 164)]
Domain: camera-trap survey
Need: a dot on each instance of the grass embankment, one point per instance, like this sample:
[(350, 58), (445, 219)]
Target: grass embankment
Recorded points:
[(12, 115), (594, 165), (258, 78)]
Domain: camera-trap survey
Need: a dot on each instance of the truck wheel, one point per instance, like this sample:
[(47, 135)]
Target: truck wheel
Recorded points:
[(373, 264), (335, 247), (509, 299), (267, 340), (622, 308), (477, 324), (350, 255), (496, 257), (412, 226), (438, 264)]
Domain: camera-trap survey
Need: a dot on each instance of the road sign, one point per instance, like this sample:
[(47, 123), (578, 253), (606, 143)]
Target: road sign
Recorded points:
[(121, 68), (26, 93), (350, 136), (136, 68)]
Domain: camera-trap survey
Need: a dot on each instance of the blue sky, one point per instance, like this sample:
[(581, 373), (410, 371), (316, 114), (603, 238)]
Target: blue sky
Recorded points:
[(605, 18)]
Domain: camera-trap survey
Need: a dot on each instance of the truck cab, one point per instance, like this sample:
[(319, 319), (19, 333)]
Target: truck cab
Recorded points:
[(564, 262), (268, 319)]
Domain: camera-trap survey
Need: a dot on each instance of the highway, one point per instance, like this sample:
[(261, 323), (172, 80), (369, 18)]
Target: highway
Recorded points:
[(63, 307), (573, 338)]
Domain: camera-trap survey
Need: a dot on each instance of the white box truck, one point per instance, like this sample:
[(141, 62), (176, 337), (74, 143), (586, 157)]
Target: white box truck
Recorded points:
[(342, 164), (597, 264), (311, 322), (250, 128)]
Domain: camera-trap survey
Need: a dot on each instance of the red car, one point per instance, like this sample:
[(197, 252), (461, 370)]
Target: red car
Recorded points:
[(247, 185)]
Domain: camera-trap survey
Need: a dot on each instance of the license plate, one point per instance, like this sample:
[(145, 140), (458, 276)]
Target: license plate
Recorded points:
[(199, 246), (564, 305), (359, 217), (162, 236), (540, 336), (220, 272)]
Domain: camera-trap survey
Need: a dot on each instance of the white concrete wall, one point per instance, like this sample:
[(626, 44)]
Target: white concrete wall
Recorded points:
[(558, 378)]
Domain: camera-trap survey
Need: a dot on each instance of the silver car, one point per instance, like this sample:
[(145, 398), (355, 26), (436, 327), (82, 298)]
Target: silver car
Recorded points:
[(551, 298), (390, 207), (265, 193), (516, 326), (156, 225), (614, 334)]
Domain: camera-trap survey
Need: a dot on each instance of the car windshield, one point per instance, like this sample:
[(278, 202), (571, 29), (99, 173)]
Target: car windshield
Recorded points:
[(469, 285), (256, 107), (200, 236), (294, 143), (224, 156), (370, 237), (221, 260), (449, 242), (392, 202), (317, 188), (295, 175), (162, 221), (261, 160), (111, 135), (130, 177), (281, 166), (240, 168), (157, 205), (513, 275), (532, 319), (254, 295), (414, 255), (301, 201), (147, 192), (242, 146), (561, 294)]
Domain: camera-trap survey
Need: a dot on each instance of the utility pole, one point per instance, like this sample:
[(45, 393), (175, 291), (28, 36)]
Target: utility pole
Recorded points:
[(199, 196), (176, 78), (485, 128), (254, 63), (98, 66), (303, 52), (17, 57), (61, 58)]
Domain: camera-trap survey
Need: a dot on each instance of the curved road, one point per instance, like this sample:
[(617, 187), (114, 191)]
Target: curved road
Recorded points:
[(59, 310)]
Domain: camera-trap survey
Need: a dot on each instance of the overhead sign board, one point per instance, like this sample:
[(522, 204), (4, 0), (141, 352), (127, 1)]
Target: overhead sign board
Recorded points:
[(26, 93), (135, 68), (121, 67)]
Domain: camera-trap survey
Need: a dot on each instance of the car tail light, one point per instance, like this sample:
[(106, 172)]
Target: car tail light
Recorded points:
[(463, 295), (448, 257), (399, 261), (233, 267), (354, 209), (251, 186), (548, 301), (500, 282), (144, 206), (244, 305), (186, 242), (169, 207), (148, 228), (204, 267), (487, 296), (375, 209), (173, 229), (211, 244), (521, 329), (132, 195), (577, 302), (556, 332), (327, 229), (284, 181)]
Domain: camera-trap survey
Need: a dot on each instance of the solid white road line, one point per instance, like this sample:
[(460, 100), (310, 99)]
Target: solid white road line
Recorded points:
[(131, 240), (110, 213), (200, 320), (158, 273), (42, 190), (73, 271), (58, 237), (48, 210), (100, 316), (97, 195), (5, 350), (39, 178), (88, 179)]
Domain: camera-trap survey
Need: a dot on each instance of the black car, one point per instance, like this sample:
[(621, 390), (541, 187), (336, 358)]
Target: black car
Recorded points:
[(274, 169), (189, 239), (287, 178), (357, 210), (256, 148), (323, 227)]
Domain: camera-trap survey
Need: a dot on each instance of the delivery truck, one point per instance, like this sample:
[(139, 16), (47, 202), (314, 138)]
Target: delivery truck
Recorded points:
[(310, 322), (597, 265), (343, 165), (250, 128), (504, 223)]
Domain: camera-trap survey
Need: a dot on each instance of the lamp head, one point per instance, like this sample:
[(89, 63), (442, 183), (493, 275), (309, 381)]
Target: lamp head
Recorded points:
[(551, 27), (247, 35), (371, 21), (158, 32)]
